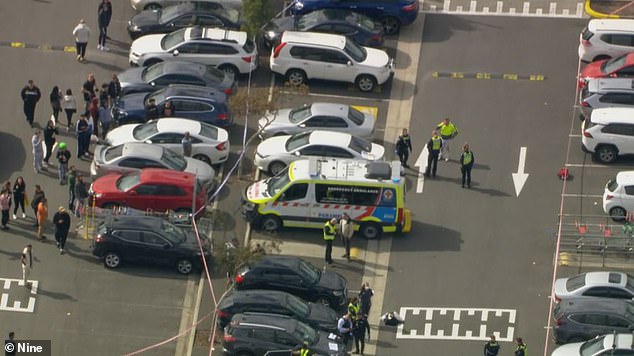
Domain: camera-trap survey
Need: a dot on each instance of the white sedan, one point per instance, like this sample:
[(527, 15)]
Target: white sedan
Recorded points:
[(606, 345), (210, 144), (595, 284), (275, 153)]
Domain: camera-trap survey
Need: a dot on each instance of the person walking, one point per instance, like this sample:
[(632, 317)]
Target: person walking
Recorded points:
[(365, 298), (26, 260), (114, 89), (151, 111), (62, 226), (404, 147), (10, 340), (346, 228), (520, 347), (5, 206), (466, 163), (82, 34), (30, 96), (70, 108), (329, 235), (63, 156), (71, 188), (88, 90), (19, 196), (38, 150), (344, 327), (56, 102), (104, 14), (93, 116), (353, 309), (42, 215), (81, 193), (49, 140), (433, 147), (491, 348), (360, 328), (38, 196), (83, 136), (105, 118), (187, 144), (447, 132)]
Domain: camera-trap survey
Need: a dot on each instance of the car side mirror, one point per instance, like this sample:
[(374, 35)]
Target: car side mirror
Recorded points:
[(297, 153), (349, 63), (302, 125), (133, 192), (148, 141), (152, 83), (175, 52)]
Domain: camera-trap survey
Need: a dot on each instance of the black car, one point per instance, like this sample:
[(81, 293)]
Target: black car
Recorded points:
[(189, 102), (255, 334), (358, 27), (180, 16), (149, 240), (275, 302), (295, 276)]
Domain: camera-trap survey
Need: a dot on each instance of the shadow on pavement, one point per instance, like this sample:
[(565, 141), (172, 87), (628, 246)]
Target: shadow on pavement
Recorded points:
[(13, 144), (427, 237), (54, 295)]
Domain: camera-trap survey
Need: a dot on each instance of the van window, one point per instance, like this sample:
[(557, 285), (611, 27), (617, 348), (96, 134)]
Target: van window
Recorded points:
[(629, 190), (336, 194), (294, 192), (354, 195), (617, 98)]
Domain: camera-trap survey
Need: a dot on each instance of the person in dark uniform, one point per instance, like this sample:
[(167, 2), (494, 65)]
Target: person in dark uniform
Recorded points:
[(433, 147), (520, 348), (491, 348), (404, 147), (466, 163), (359, 330), (151, 111), (30, 96)]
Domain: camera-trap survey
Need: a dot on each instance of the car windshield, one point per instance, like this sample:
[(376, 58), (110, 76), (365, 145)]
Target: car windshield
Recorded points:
[(575, 282), (168, 13), (278, 182), (309, 272), (296, 141), (173, 233), (360, 145), (298, 307), (128, 181), (113, 152), (355, 116), (305, 333), (593, 346), (299, 115), (158, 95), (173, 160), (214, 75), (208, 131), (355, 51), (144, 131), (173, 39), (309, 20), (613, 64), (152, 72)]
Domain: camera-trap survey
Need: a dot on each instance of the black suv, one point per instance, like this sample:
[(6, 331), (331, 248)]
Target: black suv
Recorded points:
[(295, 276), (254, 334), (275, 302), (150, 240)]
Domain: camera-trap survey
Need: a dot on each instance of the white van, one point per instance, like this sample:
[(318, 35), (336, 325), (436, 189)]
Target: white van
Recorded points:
[(606, 38)]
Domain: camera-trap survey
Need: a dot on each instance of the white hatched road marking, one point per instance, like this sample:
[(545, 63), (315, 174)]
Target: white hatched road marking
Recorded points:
[(484, 331), (17, 305), (499, 10)]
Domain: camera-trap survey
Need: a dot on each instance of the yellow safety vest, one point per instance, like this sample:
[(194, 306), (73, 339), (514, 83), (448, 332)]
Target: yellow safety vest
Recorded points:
[(354, 311), (467, 157), (447, 130), (436, 142), (304, 352), (330, 235)]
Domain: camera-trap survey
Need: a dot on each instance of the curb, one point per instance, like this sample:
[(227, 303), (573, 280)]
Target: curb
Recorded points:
[(596, 14)]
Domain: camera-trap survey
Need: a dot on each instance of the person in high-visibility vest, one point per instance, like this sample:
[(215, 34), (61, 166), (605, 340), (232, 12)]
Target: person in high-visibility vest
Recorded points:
[(330, 231), (520, 348), (433, 147), (447, 131), (466, 163), (303, 350), (353, 308)]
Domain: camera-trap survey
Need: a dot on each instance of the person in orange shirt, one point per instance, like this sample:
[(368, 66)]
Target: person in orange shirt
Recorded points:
[(42, 215)]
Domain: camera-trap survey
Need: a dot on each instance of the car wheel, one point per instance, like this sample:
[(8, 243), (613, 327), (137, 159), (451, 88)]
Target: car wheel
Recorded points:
[(323, 301), (366, 83), (111, 260), (276, 167), (203, 158), (296, 77), (152, 6), (370, 230), (617, 213), (228, 68), (606, 154), (271, 223), (151, 61), (184, 266), (391, 25)]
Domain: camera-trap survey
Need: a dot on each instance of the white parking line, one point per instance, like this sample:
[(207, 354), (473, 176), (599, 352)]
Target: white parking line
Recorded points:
[(581, 165), (359, 98), (582, 196)]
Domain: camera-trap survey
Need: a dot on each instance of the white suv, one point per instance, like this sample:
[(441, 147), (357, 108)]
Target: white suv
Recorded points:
[(608, 133), (606, 38), (618, 196), (310, 55), (230, 51)]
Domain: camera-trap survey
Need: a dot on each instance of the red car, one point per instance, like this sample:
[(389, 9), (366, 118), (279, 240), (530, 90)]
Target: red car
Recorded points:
[(150, 189), (618, 67)]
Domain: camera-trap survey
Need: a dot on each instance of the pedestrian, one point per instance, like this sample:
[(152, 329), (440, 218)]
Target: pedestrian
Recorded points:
[(114, 89), (81, 193), (404, 147), (38, 150), (151, 110), (88, 89), (104, 14), (71, 187), (346, 229), (329, 235), (103, 96), (433, 147), (93, 116), (62, 226), (56, 101), (365, 298), (105, 119), (30, 96), (303, 350), (447, 132), (10, 340), (82, 34), (38, 195), (19, 197), (26, 260), (5, 206), (520, 347), (83, 136), (491, 348), (187, 144), (49, 140), (344, 327), (70, 107), (353, 309), (466, 163), (42, 215), (63, 156), (360, 328), (168, 109)]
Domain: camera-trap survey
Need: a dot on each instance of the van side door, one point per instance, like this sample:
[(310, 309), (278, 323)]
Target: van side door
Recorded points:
[(292, 204)]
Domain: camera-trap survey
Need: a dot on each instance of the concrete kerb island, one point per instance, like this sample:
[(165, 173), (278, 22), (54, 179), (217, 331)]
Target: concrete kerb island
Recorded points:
[(609, 9)]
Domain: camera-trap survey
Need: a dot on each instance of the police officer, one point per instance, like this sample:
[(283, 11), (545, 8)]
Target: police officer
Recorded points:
[(492, 347), (433, 146), (329, 236), (353, 308), (520, 348), (30, 96), (404, 147), (360, 327), (447, 131), (303, 350), (466, 163)]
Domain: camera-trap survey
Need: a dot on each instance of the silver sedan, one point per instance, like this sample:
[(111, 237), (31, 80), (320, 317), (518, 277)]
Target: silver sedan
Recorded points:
[(595, 284)]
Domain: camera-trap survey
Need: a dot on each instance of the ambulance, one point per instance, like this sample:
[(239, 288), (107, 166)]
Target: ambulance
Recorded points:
[(310, 192)]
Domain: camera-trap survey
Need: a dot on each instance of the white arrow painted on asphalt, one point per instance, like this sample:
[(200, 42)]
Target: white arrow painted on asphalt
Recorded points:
[(519, 178), (421, 162)]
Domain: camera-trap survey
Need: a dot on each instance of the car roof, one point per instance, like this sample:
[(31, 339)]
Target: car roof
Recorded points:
[(193, 91), (331, 138), (150, 223), (183, 67), (606, 116), (329, 109), (594, 305), (602, 85), (358, 171), (215, 34), (270, 321), (277, 261), (142, 149), (625, 177), (173, 124), (167, 176), (623, 341), (315, 38), (611, 25), (606, 278), (334, 15), (255, 296)]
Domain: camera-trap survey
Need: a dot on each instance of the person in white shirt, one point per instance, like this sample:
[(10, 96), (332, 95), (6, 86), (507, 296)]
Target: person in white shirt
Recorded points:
[(81, 33)]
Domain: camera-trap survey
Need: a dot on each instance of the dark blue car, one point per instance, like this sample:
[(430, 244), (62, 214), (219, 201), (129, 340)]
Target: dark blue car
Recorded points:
[(189, 102), (392, 13)]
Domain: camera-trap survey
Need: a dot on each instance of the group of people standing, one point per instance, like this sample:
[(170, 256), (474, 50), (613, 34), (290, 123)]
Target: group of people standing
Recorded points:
[(344, 228), (354, 323)]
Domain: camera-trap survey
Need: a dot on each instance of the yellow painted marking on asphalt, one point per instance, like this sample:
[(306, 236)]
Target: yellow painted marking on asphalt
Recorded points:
[(510, 76), (69, 49), (536, 77), (457, 75), (18, 44), (46, 47), (355, 252), (434, 74), (563, 259), (372, 110), (483, 75)]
